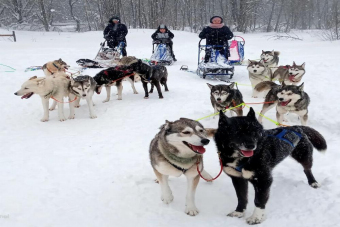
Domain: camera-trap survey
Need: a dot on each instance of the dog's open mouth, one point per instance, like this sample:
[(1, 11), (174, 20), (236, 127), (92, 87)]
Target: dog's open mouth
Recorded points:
[(265, 60), (285, 103), (248, 153), (291, 77), (196, 149), (27, 96)]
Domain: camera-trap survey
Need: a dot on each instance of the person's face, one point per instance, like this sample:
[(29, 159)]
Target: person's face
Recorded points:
[(216, 20), (162, 30), (115, 21)]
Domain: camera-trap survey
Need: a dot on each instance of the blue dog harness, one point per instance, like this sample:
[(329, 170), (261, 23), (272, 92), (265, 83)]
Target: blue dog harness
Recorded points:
[(291, 137)]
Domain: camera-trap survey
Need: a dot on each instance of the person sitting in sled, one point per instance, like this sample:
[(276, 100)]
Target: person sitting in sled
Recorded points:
[(164, 35), (115, 32), (216, 34)]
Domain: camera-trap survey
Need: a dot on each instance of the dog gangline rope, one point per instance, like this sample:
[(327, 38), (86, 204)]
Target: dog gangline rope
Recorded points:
[(13, 69), (64, 102)]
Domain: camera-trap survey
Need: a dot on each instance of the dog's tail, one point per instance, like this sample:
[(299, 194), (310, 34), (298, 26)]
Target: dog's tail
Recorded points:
[(277, 53), (265, 85), (315, 137)]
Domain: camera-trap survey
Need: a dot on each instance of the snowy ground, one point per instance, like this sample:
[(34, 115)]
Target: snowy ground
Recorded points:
[(86, 172)]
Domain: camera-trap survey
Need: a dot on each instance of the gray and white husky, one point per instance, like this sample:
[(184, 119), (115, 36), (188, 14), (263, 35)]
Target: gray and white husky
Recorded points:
[(258, 72), (287, 98), (174, 151), (84, 87), (225, 96), (46, 88), (289, 74), (270, 58)]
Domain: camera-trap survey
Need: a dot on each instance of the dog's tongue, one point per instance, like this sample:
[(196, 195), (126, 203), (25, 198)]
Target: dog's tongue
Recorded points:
[(291, 77), (199, 149), (284, 103), (247, 153), (26, 96)]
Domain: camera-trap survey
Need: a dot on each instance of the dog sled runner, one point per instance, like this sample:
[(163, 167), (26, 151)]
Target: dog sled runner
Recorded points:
[(161, 55), (218, 66)]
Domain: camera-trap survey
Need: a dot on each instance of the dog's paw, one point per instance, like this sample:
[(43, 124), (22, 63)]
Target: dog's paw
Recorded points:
[(51, 109), (315, 185), (151, 91), (93, 116), (257, 217), (156, 181), (168, 198), (254, 96), (246, 174), (161, 97), (71, 117), (62, 119), (146, 97), (135, 92), (192, 211), (76, 106), (236, 214), (106, 100), (44, 119), (120, 98)]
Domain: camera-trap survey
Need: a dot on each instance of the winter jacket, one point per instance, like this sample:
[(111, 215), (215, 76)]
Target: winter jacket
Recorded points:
[(158, 35), (216, 36), (115, 33)]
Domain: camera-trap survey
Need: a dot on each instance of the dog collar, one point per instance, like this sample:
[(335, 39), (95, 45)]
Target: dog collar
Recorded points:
[(179, 168), (55, 65), (49, 94), (49, 70)]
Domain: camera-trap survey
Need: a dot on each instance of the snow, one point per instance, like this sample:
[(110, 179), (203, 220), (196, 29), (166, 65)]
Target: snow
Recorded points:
[(96, 172)]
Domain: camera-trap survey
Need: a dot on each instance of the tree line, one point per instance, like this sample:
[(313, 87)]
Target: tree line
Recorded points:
[(191, 15)]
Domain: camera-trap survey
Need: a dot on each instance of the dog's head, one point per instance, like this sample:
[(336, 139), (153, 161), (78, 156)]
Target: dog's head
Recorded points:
[(267, 56), (188, 136), (296, 71), (61, 64), (126, 60), (81, 85), (240, 134), (256, 67), (220, 92), (31, 86), (289, 94), (138, 66)]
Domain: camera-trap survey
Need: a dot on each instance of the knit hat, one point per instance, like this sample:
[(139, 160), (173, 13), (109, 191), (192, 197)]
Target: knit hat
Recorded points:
[(216, 17), (162, 26)]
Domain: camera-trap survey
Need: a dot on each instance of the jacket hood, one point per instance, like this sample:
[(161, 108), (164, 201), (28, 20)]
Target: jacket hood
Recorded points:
[(163, 26), (216, 17), (114, 17)]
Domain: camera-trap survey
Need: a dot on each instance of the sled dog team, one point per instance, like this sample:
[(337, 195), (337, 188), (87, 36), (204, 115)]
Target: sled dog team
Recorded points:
[(247, 151)]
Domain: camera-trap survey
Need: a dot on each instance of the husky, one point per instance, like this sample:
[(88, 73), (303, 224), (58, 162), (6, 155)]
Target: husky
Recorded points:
[(249, 153), (258, 72), (225, 96), (126, 60), (155, 75), (270, 58), (84, 87), (52, 67), (289, 74), (49, 87), (288, 98), (174, 151), (114, 76)]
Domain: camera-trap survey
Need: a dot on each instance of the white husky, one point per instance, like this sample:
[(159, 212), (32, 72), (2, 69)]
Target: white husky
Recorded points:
[(48, 87)]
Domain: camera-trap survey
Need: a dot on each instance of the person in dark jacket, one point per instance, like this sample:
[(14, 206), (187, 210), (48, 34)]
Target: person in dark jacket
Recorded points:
[(164, 35), (216, 34), (115, 32)]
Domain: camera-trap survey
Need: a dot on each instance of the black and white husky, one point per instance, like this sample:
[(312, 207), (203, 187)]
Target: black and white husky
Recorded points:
[(225, 96), (289, 74), (249, 153), (175, 151), (83, 87), (287, 98), (258, 72), (270, 58)]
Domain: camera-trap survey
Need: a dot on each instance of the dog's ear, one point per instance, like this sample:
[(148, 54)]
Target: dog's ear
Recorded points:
[(223, 118), (301, 87), (210, 86), (250, 61), (251, 113), (232, 85), (41, 82), (294, 63), (303, 65), (273, 52), (261, 61), (166, 126), (72, 80), (283, 83), (262, 51), (33, 77)]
